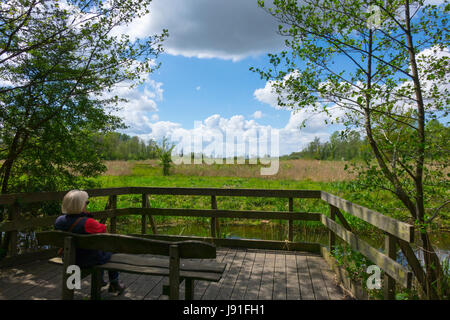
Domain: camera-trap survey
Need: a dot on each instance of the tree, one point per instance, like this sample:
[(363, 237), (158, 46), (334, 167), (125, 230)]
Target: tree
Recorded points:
[(164, 151), (59, 63), (382, 66)]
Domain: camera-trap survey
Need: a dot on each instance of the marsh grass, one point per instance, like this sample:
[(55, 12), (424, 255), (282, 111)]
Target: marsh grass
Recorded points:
[(300, 169)]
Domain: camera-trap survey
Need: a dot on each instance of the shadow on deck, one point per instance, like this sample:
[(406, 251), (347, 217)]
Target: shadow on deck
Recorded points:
[(250, 275)]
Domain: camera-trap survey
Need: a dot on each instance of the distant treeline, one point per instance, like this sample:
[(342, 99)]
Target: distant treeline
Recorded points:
[(353, 146), (349, 146), (119, 146), (340, 147)]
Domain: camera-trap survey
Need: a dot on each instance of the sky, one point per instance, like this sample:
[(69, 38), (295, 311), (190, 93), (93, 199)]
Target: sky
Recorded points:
[(204, 78), (204, 83)]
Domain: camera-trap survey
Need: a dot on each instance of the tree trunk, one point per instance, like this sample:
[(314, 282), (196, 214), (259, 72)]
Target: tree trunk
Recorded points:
[(433, 267)]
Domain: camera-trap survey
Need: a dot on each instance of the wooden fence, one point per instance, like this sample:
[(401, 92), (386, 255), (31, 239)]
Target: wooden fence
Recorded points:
[(396, 232)]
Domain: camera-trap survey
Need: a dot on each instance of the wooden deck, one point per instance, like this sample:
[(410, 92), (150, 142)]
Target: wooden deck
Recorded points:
[(250, 275)]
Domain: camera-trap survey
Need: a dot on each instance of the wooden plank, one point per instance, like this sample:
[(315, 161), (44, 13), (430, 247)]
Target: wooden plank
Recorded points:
[(254, 282), (391, 267), (9, 199), (397, 228), (152, 261), (279, 277), (17, 282), (14, 215), (290, 223), (38, 287), (213, 289), (341, 218), (304, 278), (128, 244), (144, 216), (244, 276), (389, 282), (266, 288), (240, 214), (31, 197), (27, 258), (293, 285), (113, 220), (140, 287), (320, 289), (69, 259), (273, 193), (201, 286), (227, 287), (334, 291), (331, 235), (156, 291), (174, 273), (242, 243), (213, 219)]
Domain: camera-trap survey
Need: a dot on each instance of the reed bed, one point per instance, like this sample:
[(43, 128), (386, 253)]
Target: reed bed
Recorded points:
[(301, 170)]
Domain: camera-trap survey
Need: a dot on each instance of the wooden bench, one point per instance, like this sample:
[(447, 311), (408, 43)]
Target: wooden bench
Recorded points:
[(179, 261)]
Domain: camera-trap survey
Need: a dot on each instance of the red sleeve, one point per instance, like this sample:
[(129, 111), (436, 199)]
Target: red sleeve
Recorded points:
[(93, 226)]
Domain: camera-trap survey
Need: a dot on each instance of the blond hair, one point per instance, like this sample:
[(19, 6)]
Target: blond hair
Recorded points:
[(74, 202)]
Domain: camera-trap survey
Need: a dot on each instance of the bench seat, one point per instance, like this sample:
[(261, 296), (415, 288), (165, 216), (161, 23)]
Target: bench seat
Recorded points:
[(179, 261)]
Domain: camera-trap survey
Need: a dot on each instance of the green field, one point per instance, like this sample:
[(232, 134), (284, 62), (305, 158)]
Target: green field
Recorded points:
[(149, 174)]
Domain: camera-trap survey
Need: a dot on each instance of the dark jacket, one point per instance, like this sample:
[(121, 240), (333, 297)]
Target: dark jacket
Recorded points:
[(87, 225)]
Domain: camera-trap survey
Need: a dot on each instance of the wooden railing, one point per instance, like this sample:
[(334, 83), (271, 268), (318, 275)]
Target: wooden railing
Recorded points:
[(396, 232)]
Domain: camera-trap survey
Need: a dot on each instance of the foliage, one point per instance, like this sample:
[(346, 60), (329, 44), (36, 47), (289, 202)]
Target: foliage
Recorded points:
[(119, 146), (387, 76), (164, 152), (59, 63), (342, 146)]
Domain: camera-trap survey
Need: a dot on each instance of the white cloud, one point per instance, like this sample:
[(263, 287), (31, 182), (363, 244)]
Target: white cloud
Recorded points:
[(232, 29), (257, 114), (291, 138), (142, 101)]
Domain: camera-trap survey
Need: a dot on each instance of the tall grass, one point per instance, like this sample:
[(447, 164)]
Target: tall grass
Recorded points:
[(300, 170)]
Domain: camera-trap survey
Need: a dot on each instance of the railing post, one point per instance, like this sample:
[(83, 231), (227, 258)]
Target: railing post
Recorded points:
[(291, 227), (331, 235), (113, 220), (215, 228), (69, 259), (391, 252), (144, 216), (174, 273), (13, 215), (146, 204)]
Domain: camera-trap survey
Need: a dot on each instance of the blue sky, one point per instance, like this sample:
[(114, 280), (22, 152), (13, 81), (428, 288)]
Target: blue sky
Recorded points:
[(204, 83), (195, 89), (204, 75)]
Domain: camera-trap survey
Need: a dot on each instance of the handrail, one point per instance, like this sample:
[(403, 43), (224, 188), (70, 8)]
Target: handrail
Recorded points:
[(397, 228), (9, 199)]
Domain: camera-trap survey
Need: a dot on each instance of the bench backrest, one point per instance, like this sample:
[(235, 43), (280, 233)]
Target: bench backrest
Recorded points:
[(126, 244)]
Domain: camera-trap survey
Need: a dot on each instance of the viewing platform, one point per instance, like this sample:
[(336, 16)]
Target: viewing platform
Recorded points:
[(255, 269)]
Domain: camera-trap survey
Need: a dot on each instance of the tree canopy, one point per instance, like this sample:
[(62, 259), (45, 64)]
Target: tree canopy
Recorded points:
[(59, 64), (379, 66)]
